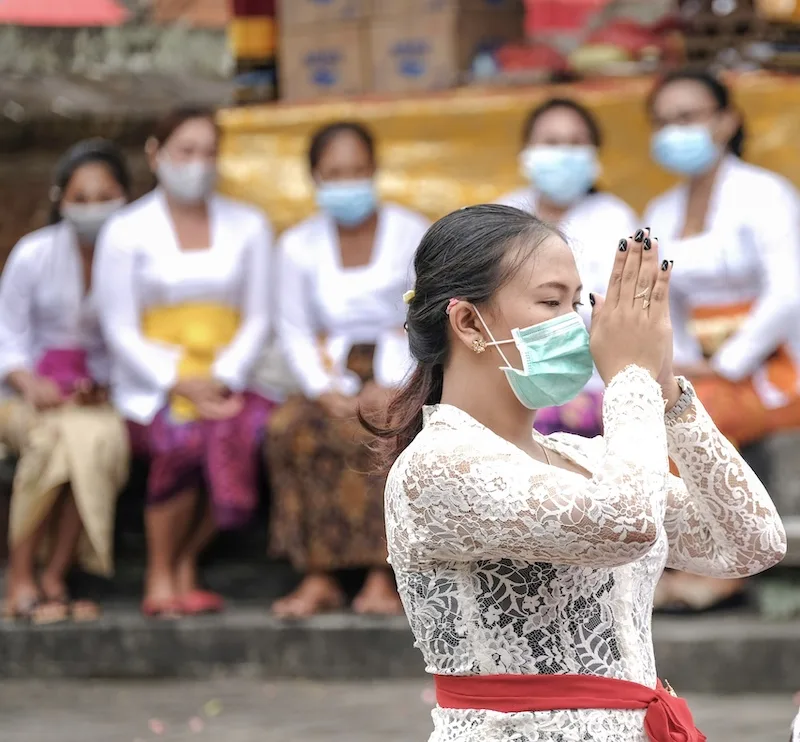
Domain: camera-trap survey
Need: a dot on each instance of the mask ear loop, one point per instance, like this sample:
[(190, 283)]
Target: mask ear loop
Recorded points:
[(496, 343)]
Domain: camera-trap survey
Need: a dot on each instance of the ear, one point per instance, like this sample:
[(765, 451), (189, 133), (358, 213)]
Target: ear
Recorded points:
[(730, 121), (151, 152), (466, 325)]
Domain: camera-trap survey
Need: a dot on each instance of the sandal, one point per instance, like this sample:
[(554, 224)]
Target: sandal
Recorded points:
[(50, 611), (21, 610), (161, 608), (200, 602)]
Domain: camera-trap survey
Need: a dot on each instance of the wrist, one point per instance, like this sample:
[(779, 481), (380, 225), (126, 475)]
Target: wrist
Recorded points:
[(672, 392)]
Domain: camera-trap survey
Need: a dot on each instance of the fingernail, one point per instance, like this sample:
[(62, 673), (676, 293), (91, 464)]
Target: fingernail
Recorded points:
[(639, 236), (648, 229), (623, 245), (664, 265), (591, 299), (671, 262), (647, 243)]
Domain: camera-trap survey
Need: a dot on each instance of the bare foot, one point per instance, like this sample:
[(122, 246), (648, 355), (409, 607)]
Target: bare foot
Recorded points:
[(317, 593), (378, 596), (160, 587)]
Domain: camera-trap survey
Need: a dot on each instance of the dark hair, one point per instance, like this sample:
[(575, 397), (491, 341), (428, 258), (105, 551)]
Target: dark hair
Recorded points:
[(464, 255), (719, 91), (177, 117), (87, 151), (324, 136), (553, 103)]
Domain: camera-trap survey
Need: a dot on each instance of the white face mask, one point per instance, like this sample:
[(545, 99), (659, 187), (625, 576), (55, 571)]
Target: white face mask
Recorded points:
[(189, 182), (88, 219)]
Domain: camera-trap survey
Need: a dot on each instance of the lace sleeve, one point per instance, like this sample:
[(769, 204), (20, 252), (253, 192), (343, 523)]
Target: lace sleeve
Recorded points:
[(463, 494), (720, 520)]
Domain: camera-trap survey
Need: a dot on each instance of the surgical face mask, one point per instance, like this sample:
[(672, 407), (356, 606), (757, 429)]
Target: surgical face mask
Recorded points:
[(556, 363), (88, 219), (189, 182), (349, 202), (685, 150), (562, 174)]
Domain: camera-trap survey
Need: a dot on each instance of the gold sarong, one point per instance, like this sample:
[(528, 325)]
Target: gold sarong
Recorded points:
[(85, 447)]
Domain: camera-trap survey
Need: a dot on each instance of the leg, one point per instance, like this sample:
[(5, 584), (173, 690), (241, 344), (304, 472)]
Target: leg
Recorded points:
[(166, 525), (194, 600), (379, 594), (53, 579), (22, 592)]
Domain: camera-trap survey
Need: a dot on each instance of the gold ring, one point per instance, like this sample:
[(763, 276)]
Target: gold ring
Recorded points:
[(645, 303), (644, 295)]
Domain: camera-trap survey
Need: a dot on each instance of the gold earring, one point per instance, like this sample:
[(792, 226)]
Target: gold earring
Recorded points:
[(479, 345)]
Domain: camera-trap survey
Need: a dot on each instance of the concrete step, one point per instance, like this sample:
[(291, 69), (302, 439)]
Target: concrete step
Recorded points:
[(723, 654)]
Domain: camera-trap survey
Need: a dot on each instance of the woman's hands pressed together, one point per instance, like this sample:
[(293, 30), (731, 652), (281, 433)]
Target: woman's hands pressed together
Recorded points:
[(631, 326)]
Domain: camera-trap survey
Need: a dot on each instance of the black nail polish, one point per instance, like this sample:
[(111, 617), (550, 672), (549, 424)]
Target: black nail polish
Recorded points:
[(591, 299), (671, 262), (639, 236), (648, 229), (665, 265), (623, 245), (647, 243)]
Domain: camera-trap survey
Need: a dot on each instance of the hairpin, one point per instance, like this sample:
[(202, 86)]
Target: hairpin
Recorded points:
[(451, 304), (408, 297)]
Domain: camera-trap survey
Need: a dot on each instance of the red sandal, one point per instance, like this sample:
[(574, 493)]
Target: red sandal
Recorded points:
[(199, 602)]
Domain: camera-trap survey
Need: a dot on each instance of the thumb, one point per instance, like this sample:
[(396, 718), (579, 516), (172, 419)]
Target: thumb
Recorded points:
[(597, 302)]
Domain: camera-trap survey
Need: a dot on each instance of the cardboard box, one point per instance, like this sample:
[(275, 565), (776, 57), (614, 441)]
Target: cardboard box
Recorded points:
[(396, 8), (433, 51), (195, 13), (293, 13), (323, 61)]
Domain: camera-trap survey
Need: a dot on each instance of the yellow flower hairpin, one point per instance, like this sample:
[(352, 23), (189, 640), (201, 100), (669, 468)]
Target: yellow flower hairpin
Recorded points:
[(408, 297)]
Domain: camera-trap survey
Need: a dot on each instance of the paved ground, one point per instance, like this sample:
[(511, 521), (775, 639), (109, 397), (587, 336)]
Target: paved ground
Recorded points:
[(242, 711)]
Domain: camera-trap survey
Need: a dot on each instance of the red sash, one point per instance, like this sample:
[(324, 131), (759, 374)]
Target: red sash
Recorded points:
[(668, 718)]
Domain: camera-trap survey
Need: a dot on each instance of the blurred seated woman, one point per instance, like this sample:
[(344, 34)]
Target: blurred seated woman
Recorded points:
[(343, 274), (732, 230), (183, 278), (561, 139), (72, 446)]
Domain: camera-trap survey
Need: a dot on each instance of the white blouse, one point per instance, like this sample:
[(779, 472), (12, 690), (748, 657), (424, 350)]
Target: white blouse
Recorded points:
[(321, 299), (44, 305), (750, 252), (139, 264), (508, 566)]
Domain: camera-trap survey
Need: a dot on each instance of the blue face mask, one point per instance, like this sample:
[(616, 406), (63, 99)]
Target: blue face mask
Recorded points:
[(349, 202), (685, 150), (563, 174), (556, 363)]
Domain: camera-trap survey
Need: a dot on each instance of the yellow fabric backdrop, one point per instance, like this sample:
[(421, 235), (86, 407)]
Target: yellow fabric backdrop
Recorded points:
[(440, 152)]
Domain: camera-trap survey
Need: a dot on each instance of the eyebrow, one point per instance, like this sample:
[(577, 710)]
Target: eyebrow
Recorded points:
[(560, 286)]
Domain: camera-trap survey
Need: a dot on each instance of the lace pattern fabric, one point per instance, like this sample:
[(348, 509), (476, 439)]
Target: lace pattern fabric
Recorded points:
[(506, 565)]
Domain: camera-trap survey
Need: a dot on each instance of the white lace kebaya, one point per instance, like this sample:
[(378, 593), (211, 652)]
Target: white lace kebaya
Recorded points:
[(508, 566)]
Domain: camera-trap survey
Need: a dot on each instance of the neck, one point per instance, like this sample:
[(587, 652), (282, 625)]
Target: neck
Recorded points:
[(368, 225), (200, 208), (549, 212), (700, 187), (500, 412)]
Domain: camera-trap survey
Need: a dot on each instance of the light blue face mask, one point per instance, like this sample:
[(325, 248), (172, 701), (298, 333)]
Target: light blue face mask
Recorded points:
[(556, 363), (349, 202), (563, 174), (686, 150)]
